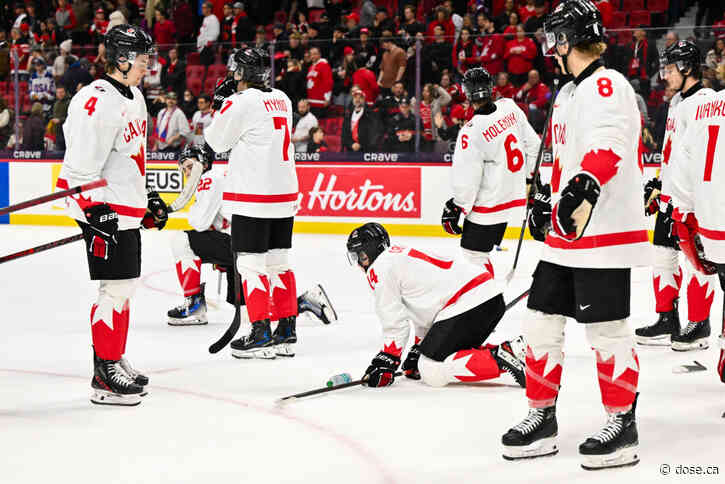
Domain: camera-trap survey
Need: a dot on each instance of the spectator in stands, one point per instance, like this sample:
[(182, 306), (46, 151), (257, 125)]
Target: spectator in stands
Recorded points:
[(401, 129), (449, 134), (317, 142), (164, 30), (208, 34), (337, 46), (364, 78), (534, 96), (536, 21), (392, 65), (226, 24), (491, 47), (433, 99), (367, 13), (510, 31), (719, 28), (242, 27), (77, 75), (60, 112), (6, 123), (260, 38), (526, 11), (439, 53), (367, 52), (21, 46), (360, 127), (382, 22), (152, 80), (503, 19), (352, 22), (34, 129), (465, 52), (410, 23), (65, 18), (519, 55), (607, 11), (42, 85), (671, 38), (452, 88), (442, 19), (319, 83), (304, 120), (188, 104), (116, 18), (201, 119), (20, 15), (293, 81), (641, 60), (59, 64), (388, 106), (172, 126), (98, 27), (173, 74)]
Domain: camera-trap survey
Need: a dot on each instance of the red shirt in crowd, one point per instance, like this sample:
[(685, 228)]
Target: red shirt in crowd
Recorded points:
[(319, 84), (449, 30), (365, 79), (509, 91), (72, 22), (526, 12), (470, 51), (607, 11), (537, 96), (164, 32), (490, 52), (520, 55)]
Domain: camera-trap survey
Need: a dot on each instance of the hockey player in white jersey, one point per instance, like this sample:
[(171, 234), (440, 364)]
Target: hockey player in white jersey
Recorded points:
[(598, 233), (210, 243), (105, 135), (454, 305), (254, 121), (680, 68), (495, 154)]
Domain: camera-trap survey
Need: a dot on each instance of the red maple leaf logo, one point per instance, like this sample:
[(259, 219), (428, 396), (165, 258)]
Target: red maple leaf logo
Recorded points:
[(602, 164), (667, 151), (140, 159), (392, 349), (556, 176)]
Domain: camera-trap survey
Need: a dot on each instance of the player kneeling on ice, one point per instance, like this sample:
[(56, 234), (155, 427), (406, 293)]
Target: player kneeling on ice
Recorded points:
[(210, 243), (105, 135), (454, 306)]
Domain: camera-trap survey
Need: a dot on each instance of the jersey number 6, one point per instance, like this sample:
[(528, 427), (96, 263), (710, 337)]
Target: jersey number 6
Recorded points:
[(514, 156), (281, 123)]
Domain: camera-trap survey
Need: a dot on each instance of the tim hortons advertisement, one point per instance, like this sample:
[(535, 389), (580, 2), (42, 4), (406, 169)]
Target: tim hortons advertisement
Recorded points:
[(362, 191)]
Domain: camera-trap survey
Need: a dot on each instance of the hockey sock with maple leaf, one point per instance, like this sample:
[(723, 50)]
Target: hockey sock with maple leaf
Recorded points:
[(617, 363), (700, 295), (666, 278), (110, 318), (544, 334), (255, 285), (284, 295), (188, 265)]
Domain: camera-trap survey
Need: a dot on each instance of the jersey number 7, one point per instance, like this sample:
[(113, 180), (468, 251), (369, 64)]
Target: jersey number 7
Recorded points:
[(280, 122)]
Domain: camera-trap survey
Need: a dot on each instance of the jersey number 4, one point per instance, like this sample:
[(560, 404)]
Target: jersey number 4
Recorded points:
[(90, 105), (281, 123), (712, 133)]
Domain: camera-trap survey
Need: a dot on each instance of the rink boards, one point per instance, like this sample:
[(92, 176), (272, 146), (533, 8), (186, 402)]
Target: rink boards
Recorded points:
[(334, 198)]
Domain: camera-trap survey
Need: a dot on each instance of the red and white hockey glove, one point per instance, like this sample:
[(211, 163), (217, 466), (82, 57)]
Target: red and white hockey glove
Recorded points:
[(381, 372), (104, 223), (449, 219), (686, 229), (157, 214), (570, 216)]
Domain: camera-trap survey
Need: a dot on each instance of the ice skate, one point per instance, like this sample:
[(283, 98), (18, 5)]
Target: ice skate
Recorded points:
[(316, 301), (615, 445), (112, 386), (659, 333), (191, 312), (694, 337), (511, 358), (257, 344), (534, 436), (138, 378), (285, 336)]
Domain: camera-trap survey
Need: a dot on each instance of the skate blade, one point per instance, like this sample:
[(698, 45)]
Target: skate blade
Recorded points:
[(698, 344), (328, 309), (627, 456), (540, 448), (103, 397), (653, 340), (266, 353), (187, 322), (284, 350)]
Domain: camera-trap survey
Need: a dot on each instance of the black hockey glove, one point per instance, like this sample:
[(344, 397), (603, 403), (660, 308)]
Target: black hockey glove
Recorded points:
[(381, 371), (449, 219), (581, 187), (410, 365), (652, 196), (223, 90), (104, 223), (157, 214), (540, 216)]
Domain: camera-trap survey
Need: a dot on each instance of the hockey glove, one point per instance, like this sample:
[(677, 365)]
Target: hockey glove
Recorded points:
[(652, 196), (104, 223), (410, 365), (571, 215), (223, 90), (381, 371), (540, 216), (691, 245), (449, 219), (157, 214)]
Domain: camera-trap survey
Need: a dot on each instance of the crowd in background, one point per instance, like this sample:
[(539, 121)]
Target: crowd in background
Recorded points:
[(351, 68)]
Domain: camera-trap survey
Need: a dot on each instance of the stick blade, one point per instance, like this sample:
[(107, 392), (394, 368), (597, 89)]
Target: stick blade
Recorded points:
[(228, 334)]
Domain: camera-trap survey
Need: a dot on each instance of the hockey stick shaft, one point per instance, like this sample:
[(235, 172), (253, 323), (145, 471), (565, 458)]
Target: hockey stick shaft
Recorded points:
[(53, 196), (41, 248), (537, 167), (236, 322)]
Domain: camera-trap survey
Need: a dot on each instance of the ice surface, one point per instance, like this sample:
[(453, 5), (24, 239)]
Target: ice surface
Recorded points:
[(211, 418)]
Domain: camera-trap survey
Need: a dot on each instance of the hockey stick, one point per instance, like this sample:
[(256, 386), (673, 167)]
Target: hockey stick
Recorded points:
[(53, 196), (319, 391), (532, 192), (237, 321), (41, 248)]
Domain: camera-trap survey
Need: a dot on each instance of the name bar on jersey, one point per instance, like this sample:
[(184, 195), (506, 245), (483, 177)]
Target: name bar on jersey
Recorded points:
[(710, 109)]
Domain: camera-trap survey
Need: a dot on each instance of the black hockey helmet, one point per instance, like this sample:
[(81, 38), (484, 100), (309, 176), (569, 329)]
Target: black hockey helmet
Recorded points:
[(370, 239), (478, 84), (685, 55), (573, 21), (124, 42), (203, 154), (251, 65)]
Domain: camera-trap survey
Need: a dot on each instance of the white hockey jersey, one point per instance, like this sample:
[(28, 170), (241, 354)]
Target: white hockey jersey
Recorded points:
[(199, 122), (206, 211), (261, 179), (410, 285), (42, 88), (697, 177), (494, 155), (673, 129), (105, 136), (595, 130)]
